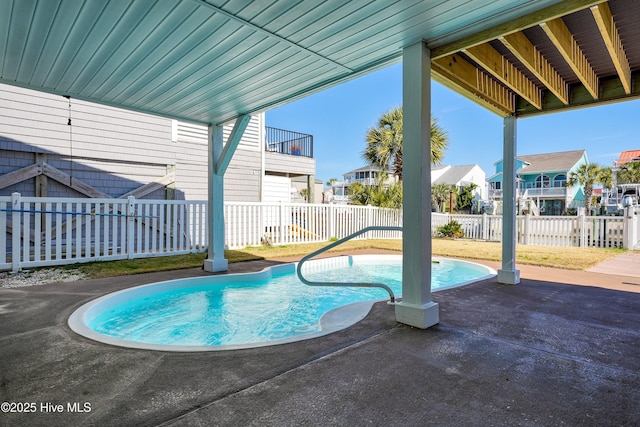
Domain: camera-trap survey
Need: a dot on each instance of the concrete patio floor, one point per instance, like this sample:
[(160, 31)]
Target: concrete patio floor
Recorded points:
[(561, 348)]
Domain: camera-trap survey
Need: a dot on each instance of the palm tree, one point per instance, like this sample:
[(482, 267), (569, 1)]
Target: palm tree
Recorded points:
[(384, 142), (304, 193), (440, 195), (586, 176), (379, 194), (330, 184), (629, 173), (606, 177)]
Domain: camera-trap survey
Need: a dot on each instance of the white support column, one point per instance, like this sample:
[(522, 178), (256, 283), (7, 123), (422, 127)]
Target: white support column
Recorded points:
[(508, 274), (215, 204), (416, 308)]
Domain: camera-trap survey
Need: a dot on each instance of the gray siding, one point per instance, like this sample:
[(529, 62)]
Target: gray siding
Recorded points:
[(117, 151), (242, 179)]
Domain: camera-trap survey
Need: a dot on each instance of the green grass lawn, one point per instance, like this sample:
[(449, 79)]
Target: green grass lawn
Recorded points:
[(547, 256)]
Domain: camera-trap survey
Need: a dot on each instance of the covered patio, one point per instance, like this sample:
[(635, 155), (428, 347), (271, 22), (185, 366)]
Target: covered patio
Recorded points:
[(541, 353)]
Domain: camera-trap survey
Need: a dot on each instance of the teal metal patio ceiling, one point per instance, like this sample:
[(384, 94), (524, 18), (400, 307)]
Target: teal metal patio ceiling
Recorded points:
[(212, 61)]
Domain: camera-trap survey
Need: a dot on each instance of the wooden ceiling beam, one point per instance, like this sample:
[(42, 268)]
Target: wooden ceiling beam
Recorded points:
[(557, 10), (566, 44), (611, 91), (498, 66), (460, 75), (611, 37), (530, 56)]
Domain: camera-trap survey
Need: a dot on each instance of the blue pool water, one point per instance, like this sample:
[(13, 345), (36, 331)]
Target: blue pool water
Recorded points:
[(241, 310)]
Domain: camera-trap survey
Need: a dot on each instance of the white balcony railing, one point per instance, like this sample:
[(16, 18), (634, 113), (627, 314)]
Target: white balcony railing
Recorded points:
[(555, 192)]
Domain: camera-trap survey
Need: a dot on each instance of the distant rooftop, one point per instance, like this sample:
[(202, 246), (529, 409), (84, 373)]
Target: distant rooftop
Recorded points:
[(453, 175), (628, 156), (550, 162)]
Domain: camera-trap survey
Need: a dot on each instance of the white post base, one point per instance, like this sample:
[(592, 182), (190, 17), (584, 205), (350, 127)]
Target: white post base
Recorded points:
[(509, 277), (419, 316), (216, 265)]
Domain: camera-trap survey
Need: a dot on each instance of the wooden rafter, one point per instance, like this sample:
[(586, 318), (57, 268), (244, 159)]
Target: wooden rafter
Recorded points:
[(69, 181), (611, 37), (566, 44), (159, 183), (557, 10), (457, 73), (531, 58), (20, 175), (498, 66)]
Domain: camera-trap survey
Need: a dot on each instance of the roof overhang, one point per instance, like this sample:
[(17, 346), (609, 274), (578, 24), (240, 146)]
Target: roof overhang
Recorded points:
[(210, 61)]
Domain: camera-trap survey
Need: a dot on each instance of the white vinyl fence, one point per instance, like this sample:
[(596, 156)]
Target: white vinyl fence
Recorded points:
[(40, 231), (253, 224), (582, 231), (37, 232)]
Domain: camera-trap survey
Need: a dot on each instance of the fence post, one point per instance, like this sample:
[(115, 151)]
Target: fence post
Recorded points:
[(16, 248), (282, 221), (485, 227), (527, 228), (635, 235), (582, 223), (331, 221), (130, 226), (630, 228)]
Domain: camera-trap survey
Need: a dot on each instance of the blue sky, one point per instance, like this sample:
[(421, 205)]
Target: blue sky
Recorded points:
[(338, 119)]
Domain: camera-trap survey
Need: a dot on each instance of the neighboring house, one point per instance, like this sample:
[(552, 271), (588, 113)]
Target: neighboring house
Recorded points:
[(58, 147), (458, 176), (461, 176), (624, 194), (541, 182), (366, 175), (628, 156)]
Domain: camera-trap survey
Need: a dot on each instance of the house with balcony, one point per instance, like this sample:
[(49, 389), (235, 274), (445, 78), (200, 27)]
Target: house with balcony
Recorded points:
[(52, 146), (541, 182), (365, 175), (458, 176), (289, 167)]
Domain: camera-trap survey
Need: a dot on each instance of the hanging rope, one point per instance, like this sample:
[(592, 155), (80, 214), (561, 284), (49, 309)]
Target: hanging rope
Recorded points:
[(70, 144)]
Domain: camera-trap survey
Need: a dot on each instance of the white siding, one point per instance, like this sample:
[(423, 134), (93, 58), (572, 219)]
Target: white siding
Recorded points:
[(277, 189)]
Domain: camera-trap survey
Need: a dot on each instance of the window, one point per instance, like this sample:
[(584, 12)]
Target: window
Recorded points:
[(560, 180), (542, 181)]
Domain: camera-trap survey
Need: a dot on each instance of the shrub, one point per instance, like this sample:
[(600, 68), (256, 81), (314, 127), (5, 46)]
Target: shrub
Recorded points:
[(452, 230)]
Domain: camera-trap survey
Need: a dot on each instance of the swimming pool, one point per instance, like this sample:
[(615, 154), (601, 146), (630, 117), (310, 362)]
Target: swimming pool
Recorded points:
[(255, 309)]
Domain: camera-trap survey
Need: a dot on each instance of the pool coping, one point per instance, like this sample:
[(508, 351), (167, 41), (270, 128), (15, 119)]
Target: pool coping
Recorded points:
[(332, 321)]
